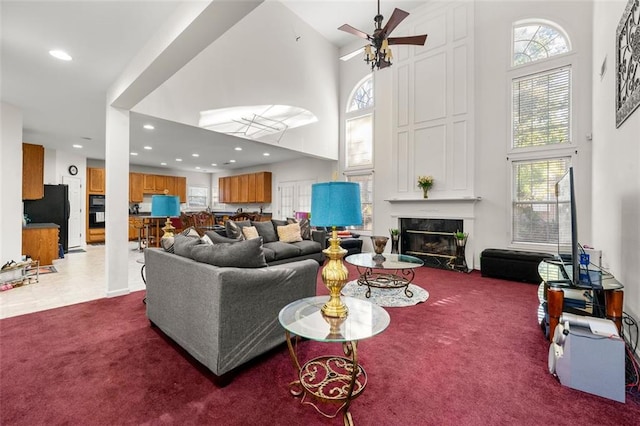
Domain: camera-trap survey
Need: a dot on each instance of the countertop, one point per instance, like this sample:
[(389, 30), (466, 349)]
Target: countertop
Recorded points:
[(40, 226)]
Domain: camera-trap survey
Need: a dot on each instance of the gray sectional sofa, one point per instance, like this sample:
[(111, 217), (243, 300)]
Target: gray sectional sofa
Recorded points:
[(222, 316)]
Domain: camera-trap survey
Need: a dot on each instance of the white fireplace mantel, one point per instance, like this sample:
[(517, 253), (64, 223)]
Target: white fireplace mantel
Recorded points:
[(433, 200)]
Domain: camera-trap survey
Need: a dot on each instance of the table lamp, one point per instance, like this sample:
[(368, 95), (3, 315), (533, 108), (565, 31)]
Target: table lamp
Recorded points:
[(335, 204), (166, 206)]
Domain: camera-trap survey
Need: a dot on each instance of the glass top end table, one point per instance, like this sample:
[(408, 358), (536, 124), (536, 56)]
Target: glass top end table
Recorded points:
[(386, 272), (332, 379)]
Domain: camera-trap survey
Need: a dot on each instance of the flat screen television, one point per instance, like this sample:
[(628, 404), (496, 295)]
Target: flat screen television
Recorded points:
[(573, 258)]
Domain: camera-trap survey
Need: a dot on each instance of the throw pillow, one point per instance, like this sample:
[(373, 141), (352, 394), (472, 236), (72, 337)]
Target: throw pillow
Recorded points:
[(234, 229), (305, 227), (277, 222), (289, 233), (217, 238), (250, 232), (167, 243), (183, 245), (266, 231), (205, 239), (243, 254)]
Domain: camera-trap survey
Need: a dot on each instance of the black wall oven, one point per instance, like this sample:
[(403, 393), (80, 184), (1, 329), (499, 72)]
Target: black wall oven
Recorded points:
[(96, 211)]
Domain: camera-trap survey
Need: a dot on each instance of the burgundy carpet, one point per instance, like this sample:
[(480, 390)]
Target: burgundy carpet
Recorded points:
[(473, 354)]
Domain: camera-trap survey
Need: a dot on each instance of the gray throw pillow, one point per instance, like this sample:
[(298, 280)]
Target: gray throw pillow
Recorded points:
[(184, 245), (167, 243), (217, 238), (243, 254), (266, 231), (277, 222), (234, 229), (305, 227)]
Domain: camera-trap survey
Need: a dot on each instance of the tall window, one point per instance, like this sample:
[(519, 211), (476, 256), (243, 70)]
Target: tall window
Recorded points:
[(359, 146), (359, 126), (366, 199), (541, 143)]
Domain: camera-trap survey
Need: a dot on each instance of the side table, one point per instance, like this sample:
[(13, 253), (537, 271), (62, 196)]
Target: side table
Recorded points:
[(387, 271), (332, 379)]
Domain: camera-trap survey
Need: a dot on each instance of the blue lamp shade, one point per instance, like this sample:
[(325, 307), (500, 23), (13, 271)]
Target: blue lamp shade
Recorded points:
[(336, 204), (165, 205)]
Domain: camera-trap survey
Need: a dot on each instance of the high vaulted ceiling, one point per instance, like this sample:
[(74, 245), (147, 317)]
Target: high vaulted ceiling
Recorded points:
[(63, 103)]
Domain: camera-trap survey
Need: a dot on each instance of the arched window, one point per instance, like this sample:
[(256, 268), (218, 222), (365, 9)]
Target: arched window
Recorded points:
[(541, 113), (359, 145), (533, 41)]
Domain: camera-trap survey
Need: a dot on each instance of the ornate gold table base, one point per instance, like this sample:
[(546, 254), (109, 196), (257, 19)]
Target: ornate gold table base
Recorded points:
[(329, 379), (386, 280)]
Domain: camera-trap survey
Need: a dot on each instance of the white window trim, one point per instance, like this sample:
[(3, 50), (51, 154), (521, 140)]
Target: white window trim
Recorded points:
[(547, 23)]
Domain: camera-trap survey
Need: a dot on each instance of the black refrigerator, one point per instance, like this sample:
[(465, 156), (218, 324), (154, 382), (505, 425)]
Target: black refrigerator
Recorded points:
[(53, 208)]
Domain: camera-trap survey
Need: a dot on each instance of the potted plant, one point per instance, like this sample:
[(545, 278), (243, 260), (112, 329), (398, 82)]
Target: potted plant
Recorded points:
[(425, 182), (461, 237)]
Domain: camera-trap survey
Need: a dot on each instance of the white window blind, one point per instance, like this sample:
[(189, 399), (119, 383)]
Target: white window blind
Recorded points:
[(366, 199), (534, 199), (541, 109)]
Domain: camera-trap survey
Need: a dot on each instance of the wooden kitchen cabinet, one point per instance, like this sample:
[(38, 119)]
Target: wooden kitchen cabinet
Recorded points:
[(181, 188), (160, 183), (149, 184), (247, 188), (40, 241), (95, 235), (136, 187), (95, 181), (32, 171)]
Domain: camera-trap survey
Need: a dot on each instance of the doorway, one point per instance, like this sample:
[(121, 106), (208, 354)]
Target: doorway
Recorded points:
[(75, 214), (295, 196)]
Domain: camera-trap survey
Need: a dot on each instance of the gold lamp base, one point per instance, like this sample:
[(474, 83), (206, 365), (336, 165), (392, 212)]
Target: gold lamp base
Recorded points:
[(335, 276), (168, 229)]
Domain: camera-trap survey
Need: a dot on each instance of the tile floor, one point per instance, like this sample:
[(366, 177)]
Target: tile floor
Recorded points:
[(80, 278)]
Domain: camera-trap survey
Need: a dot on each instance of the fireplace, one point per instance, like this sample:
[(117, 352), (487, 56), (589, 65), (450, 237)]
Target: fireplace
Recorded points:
[(432, 240)]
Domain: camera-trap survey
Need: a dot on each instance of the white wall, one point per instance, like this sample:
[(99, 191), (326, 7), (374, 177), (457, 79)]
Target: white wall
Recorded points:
[(245, 67), (10, 183), (616, 155), (493, 20)]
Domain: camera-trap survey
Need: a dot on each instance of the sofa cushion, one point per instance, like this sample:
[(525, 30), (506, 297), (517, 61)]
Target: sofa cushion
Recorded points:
[(289, 233), (234, 229), (282, 250), (269, 255), (168, 242), (183, 245), (250, 232), (266, 230), (305, 227), (243, 254), (217, 238), (277, 222), (308, 246)]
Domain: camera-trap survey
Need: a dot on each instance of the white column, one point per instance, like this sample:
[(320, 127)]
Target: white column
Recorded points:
[(117, 201), (10, 183)]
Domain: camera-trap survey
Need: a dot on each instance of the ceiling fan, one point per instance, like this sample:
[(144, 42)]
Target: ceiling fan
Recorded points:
[(377, 52)]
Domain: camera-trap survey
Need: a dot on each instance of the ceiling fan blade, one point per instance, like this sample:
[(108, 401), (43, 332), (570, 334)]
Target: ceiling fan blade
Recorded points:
[(397, 16), (417, 40), (353, 54), (356, 32)]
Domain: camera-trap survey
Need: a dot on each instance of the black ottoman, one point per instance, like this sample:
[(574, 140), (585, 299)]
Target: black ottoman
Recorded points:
[(514, 265)]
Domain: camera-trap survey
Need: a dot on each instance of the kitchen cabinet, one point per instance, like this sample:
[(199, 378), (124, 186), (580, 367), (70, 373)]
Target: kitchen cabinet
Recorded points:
[(247, 188), (181, 188), (160, 184), (32, 171), (136, 187), (156, 184), (95, 235), (149, 184), (95, 181), (40, 242)]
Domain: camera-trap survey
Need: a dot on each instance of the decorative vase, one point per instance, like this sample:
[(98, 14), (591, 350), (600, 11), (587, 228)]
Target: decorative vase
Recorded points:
[(425, 192), (379, 243), (394, 244)]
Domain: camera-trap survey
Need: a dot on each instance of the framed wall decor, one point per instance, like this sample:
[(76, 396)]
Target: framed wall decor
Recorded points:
[(628, 62)]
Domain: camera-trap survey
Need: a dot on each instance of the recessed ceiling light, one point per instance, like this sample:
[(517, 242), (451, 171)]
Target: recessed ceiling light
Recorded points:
[(197, 167), (77, 146), (60, 54), (148, 126), (134, 153), (266, 154), (178, 159), (232, 161), (195, 155), (148, 147), (163, 164), (237, 148), (214, 164)]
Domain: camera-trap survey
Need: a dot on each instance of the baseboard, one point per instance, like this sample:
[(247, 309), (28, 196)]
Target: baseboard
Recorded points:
[(116, 293)]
